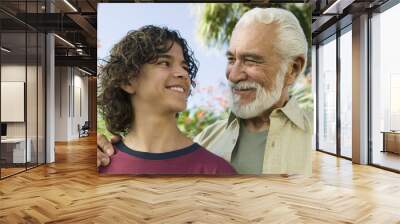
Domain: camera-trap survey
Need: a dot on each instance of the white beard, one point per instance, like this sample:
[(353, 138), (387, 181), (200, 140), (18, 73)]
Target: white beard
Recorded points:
[(263, 101)]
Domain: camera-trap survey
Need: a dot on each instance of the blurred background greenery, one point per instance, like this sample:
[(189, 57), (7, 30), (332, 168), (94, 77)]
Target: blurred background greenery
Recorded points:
[(216, 22)]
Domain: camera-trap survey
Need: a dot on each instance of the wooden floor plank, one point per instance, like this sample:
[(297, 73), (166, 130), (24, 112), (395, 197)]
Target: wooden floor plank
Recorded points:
[(71, 191)]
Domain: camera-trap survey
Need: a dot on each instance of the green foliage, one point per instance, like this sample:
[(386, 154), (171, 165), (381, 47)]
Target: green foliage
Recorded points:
[(303, 96), (302, 92), (217, 22), (192, 122), (101, 126)]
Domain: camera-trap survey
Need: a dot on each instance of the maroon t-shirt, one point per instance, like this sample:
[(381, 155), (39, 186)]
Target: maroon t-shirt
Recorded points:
[(193, 159)]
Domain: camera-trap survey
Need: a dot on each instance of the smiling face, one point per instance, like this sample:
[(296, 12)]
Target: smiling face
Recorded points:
[(255, 70), (163, 86)]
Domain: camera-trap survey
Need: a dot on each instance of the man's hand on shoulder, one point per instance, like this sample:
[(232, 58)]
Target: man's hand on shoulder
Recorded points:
[(105, 149)]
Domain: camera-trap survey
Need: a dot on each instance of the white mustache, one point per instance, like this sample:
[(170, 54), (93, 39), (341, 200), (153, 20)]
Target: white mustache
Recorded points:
[(245, 85)]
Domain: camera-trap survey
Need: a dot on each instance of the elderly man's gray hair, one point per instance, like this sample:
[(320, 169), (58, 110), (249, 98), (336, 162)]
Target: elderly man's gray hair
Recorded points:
[(291, 41)]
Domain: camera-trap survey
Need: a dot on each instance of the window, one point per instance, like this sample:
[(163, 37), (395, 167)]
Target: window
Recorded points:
[(22, 76), (327, 96), (385, 89), (346, 93)]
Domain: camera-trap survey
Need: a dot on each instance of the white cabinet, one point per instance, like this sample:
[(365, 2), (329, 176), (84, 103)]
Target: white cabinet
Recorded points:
[(18, 149)]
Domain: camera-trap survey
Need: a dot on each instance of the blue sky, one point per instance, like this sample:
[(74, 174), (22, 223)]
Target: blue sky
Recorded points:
[(116, 19)]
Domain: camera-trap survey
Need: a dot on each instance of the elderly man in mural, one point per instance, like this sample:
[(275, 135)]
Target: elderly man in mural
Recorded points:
[(266, 131)]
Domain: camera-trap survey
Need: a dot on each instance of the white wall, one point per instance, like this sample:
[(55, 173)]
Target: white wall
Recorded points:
[(70, 83), (33, 126), (61, 103), (16, 73)]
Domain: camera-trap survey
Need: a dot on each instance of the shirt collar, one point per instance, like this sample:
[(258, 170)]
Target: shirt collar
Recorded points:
[(232, 117), (295, 114), (291, 110)]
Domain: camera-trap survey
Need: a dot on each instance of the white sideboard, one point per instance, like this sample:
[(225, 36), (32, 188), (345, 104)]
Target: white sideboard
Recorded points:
[(18, 145)]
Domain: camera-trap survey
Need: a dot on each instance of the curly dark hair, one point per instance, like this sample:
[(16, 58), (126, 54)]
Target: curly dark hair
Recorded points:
[(124, 63)]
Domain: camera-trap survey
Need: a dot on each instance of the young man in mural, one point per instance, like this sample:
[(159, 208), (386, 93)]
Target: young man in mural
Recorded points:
[(143, 86), (266, 132)]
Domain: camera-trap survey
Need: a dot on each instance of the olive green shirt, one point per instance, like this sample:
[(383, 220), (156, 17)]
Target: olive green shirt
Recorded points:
[(288, 144), (247, 157)]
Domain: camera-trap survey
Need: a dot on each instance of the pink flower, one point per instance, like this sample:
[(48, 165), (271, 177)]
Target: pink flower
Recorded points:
[(200, 114)]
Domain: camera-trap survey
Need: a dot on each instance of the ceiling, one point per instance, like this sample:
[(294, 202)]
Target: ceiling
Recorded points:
[(330, 15), (75, 21)]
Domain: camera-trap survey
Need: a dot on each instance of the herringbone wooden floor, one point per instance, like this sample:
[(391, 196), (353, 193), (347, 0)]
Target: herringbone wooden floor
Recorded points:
[(70, 191)]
